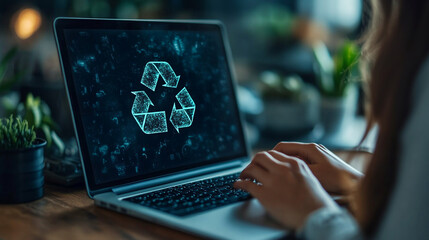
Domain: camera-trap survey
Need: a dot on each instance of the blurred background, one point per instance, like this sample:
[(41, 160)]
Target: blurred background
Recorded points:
[(296, 63)]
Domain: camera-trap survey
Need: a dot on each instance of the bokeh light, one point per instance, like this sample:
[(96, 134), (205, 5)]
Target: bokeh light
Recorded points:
[(27, 22)]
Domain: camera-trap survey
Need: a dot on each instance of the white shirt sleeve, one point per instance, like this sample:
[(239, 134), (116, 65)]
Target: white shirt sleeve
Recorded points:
[(326, 223)]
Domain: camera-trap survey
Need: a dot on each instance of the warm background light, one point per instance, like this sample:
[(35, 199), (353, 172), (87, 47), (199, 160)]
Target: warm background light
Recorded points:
[(28, 21)]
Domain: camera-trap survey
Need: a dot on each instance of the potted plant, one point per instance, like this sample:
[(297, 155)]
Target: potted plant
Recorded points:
[(291, 107), (21, 162), (336, 79)]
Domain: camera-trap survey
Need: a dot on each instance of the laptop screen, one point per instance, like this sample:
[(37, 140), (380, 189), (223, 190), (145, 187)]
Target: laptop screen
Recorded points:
[(150, 101)]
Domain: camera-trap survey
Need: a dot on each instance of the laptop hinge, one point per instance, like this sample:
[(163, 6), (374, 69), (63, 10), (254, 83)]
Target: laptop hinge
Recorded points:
[(176, 177)]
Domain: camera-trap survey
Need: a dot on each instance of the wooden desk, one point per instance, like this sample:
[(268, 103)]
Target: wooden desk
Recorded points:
[(65, 213), (70, 214)]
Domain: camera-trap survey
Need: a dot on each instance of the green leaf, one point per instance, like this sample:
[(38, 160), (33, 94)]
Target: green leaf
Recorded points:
[(47, 133), (15, 134), (56, 140), (9, 83), (333, 82), (9, 55), (38, 115), (6, 60)]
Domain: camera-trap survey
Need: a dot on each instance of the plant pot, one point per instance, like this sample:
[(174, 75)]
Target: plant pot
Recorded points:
[(21, 173), (287, 117), (337, 111)]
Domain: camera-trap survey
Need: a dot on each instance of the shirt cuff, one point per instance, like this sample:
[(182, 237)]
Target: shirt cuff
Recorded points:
[(330, 223)]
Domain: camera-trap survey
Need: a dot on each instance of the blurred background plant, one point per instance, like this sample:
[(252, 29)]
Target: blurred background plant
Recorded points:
[(35, 112), (285, 98), (337, 79), (9, 78), (15, 133), (276, 86), (8, 81), (336, 74), (38, 115), (271, 25)]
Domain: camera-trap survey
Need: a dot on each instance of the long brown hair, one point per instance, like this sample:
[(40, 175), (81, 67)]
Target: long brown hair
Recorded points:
[(397, 44)]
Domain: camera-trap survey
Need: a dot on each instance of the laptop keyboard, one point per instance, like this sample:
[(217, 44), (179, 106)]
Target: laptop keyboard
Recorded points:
[(193, 197)]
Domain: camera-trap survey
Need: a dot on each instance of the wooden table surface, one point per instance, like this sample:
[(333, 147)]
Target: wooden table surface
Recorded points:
[(68, 213)]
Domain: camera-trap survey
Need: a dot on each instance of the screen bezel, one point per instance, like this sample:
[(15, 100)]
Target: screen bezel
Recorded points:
[(61, 24)]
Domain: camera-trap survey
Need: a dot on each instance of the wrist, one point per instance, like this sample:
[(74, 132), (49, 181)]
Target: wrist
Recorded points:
[(331, 208), (324, 202), (346, 182)]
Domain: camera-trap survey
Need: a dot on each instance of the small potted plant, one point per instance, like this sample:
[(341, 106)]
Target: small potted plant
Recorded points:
[(21, 162), (291, 106), (337, 77)]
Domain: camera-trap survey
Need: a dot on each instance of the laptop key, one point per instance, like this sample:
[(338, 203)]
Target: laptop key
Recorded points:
[(193, 197)]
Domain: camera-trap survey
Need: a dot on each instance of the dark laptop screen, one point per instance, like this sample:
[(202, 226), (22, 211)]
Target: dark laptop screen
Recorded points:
[(152, 101)]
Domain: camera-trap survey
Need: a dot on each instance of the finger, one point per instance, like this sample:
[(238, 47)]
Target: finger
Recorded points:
[(248, 186), (309, 152), (254, 171), (328, 152), (293, 162), (322, 146), (265, 160)]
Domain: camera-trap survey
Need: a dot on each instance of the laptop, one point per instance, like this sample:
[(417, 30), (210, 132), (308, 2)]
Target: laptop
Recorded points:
[(157, 123)]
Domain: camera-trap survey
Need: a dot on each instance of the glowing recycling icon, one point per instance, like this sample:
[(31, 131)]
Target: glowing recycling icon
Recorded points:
[(156, 122)]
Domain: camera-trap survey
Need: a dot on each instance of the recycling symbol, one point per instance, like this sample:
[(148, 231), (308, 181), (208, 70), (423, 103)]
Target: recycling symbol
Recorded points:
[(156, 122)]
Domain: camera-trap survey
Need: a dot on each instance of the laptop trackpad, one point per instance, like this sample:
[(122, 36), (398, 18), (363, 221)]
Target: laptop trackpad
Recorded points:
[(248, 219)]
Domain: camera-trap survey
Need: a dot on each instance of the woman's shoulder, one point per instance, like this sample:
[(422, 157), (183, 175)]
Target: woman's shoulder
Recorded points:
[(419, 111), (421, 85), (407, 214)]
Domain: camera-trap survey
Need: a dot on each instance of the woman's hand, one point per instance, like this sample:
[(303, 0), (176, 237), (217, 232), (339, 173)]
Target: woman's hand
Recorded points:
[(334, 174), (285, 186)]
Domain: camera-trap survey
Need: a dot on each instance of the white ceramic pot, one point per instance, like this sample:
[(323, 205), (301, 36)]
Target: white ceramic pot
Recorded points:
[(336, 112), (284, 117)]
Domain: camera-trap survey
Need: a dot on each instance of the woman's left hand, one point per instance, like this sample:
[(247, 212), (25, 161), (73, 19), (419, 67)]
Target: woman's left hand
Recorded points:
[(285, 186)]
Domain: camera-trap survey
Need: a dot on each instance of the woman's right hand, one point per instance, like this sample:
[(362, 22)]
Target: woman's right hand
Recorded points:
[(335, 175)]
